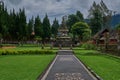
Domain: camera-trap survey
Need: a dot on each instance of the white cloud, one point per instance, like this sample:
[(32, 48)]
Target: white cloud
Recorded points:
[(57, 8)]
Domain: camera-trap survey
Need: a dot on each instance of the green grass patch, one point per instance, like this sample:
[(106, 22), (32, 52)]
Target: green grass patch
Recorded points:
[(23, 67), (106, 66)]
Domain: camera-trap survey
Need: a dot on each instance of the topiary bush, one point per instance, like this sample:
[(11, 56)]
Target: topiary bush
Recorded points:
[(26, 52), (89, 46)]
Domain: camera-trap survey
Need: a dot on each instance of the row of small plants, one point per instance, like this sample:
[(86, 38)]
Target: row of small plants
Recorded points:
[(88, 46), (8, 45), (26, 52), (111, 49)]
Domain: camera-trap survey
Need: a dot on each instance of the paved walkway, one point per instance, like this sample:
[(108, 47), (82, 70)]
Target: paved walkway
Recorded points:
[(67, 67)]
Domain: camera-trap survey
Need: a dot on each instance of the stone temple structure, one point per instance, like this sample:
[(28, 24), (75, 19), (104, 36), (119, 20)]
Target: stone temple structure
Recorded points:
[(63, 39)]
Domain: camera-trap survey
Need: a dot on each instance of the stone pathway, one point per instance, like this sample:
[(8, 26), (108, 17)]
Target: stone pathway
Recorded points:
[(67, 67)]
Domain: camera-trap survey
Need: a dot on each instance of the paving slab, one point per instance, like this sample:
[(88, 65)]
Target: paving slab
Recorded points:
[(67, 67)]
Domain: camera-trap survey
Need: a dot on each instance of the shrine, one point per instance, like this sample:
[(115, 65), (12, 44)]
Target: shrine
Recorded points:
[(63, 39)]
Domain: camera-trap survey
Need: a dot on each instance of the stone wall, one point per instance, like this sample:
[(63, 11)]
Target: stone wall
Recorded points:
[(59, 43)]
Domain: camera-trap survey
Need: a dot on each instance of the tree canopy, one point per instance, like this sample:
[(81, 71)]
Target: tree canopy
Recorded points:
[(118, 27), (46, 28), (54, 29), (30, 28), (73, 18), (38, 27), (81, 30), (100, 17), (96, 19)]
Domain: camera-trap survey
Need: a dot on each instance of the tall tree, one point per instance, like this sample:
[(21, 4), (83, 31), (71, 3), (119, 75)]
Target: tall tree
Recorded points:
[(30, 27), (13, 25), (3, 20), (96, 18), (73, 18), (22, 24), (46, 28), (38, 27), (80, 16), (100, 16), (81, 30), (96, 21), (54, 29), (13, 30)]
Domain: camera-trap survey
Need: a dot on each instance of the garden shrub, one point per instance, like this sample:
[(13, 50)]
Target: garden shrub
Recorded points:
[(26, 52), (89, 46)]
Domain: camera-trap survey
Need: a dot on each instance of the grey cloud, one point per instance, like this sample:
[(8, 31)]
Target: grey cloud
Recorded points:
[(57, 8), (15, 2)]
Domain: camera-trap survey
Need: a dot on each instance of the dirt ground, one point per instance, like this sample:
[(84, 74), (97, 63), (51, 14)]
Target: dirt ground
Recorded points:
[(8, 47)]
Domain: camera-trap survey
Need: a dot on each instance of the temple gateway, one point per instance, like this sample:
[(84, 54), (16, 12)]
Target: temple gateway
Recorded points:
[(63, 39)]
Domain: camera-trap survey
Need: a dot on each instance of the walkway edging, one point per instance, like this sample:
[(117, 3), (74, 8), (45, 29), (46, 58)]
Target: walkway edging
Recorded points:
[(53, 67), (40, 77), (84, 66), (89, 70), (45, 75)]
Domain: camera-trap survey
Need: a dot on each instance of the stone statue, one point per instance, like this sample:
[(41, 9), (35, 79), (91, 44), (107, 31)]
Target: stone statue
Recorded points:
[(63, 39), (64, 18)]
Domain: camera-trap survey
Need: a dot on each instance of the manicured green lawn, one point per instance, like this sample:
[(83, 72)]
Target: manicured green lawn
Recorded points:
[(23, 67), (107, 67)]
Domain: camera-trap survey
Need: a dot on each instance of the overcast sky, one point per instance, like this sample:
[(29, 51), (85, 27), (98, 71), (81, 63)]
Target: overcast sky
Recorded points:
[(57, 8)]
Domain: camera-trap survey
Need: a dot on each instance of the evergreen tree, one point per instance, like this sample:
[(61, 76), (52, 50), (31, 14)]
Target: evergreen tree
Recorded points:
[(96, 22), (38, 27), (22, 25), (46, 28), (30, 28), (3, 21), (73, 18), (80, 16), (54, 29), (6, 24), (100, 17), (12, 25)]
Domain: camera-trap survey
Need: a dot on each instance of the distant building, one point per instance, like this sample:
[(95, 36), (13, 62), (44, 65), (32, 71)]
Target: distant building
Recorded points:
[(63, 39), (100, 37)]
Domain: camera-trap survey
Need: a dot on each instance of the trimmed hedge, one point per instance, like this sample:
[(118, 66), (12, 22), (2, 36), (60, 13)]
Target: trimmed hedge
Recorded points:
[(89, 46), (26, 52)]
